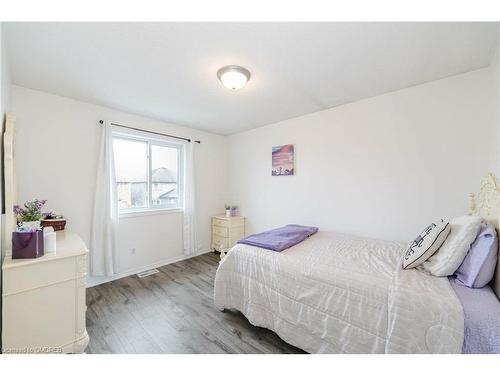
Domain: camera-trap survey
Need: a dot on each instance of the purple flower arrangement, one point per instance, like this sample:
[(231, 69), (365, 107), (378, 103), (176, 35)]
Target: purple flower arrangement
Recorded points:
[(29, 216), (32, 210), (27, 240)]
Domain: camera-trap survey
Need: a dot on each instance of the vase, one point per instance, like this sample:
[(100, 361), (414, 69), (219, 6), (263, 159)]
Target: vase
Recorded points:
[(228, 213)]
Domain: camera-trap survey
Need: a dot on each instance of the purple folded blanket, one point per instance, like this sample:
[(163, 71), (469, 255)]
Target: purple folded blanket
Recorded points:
[(280, 239)]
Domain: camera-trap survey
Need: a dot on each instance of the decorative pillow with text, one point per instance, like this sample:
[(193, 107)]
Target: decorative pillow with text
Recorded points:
[(426, 244)]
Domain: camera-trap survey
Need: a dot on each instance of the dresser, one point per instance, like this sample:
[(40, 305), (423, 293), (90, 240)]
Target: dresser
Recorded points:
[(44, 300), (226, 231)]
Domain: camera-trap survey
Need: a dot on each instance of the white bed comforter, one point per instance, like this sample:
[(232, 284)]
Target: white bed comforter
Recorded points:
[(335, 293)]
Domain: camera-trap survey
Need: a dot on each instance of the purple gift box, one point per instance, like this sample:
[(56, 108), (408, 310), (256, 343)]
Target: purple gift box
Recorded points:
[(27, 244)]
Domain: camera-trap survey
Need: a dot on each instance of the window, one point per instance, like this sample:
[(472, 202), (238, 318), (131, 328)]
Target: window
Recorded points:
[(148, 173)]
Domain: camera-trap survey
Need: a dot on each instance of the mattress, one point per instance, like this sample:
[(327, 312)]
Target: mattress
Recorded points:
[(336, 293)]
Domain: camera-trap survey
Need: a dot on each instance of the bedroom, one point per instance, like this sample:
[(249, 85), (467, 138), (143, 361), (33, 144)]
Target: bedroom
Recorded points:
[(250, 187)]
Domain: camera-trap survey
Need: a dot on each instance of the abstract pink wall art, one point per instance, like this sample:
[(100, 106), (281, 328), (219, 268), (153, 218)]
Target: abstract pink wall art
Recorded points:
[(283, 163)]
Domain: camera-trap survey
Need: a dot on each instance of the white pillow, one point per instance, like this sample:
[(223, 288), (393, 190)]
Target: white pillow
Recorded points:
[(426, 244), (450, 256)]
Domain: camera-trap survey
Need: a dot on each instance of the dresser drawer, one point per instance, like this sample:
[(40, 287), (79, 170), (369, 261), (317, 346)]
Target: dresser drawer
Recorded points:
[(36, 275), (220, 231), (40, 318)]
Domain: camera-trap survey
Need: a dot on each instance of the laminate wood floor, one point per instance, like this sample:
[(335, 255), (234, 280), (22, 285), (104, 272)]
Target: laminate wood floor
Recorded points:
[(172, 312)]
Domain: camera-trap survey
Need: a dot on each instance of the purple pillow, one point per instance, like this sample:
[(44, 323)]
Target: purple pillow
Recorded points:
[(479, 264)]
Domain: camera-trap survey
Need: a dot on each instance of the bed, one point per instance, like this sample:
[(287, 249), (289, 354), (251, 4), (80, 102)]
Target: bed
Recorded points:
[(336, 293)]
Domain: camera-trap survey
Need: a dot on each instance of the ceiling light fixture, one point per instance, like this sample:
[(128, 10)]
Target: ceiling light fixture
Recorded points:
[(233, 77)]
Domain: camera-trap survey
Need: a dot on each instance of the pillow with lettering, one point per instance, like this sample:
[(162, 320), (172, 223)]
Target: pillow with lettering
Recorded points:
[(426, 244)]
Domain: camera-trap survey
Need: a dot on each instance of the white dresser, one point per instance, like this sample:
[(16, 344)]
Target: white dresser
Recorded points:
[(226, 231), (44, 300)]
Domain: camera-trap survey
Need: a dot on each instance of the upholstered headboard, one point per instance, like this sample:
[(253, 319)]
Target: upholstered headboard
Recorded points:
[(486, 203)]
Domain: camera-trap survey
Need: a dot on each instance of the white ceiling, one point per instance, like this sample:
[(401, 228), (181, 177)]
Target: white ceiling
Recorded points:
[(168, 70)]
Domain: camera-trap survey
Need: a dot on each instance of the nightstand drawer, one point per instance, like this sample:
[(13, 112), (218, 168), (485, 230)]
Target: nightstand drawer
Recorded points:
[(219, 242), (221, 223), (220, 231)]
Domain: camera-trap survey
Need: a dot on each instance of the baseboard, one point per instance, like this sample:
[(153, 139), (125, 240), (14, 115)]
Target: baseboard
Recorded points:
[(93, 281)]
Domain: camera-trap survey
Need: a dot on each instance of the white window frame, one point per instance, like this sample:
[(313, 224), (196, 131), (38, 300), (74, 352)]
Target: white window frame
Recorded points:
[(156, 140)]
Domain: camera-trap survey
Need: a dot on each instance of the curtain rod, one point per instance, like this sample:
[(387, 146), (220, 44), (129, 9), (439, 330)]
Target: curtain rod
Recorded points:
[(148, 131)]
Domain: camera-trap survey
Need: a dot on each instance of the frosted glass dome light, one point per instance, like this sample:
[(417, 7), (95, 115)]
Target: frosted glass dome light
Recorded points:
[(233, 77)]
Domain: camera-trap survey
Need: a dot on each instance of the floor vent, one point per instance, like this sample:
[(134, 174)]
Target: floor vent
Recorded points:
[(147, 273)]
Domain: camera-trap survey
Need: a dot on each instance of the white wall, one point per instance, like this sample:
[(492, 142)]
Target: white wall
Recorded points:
[(5, 80), (495, 69), (56, 155), (382, 167)]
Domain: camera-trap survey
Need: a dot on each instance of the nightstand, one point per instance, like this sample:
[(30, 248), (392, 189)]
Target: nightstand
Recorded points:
[(226, 231)]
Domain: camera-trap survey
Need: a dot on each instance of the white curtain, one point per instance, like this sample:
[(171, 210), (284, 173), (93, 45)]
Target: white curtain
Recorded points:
[(103, 259), (190, 230)]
